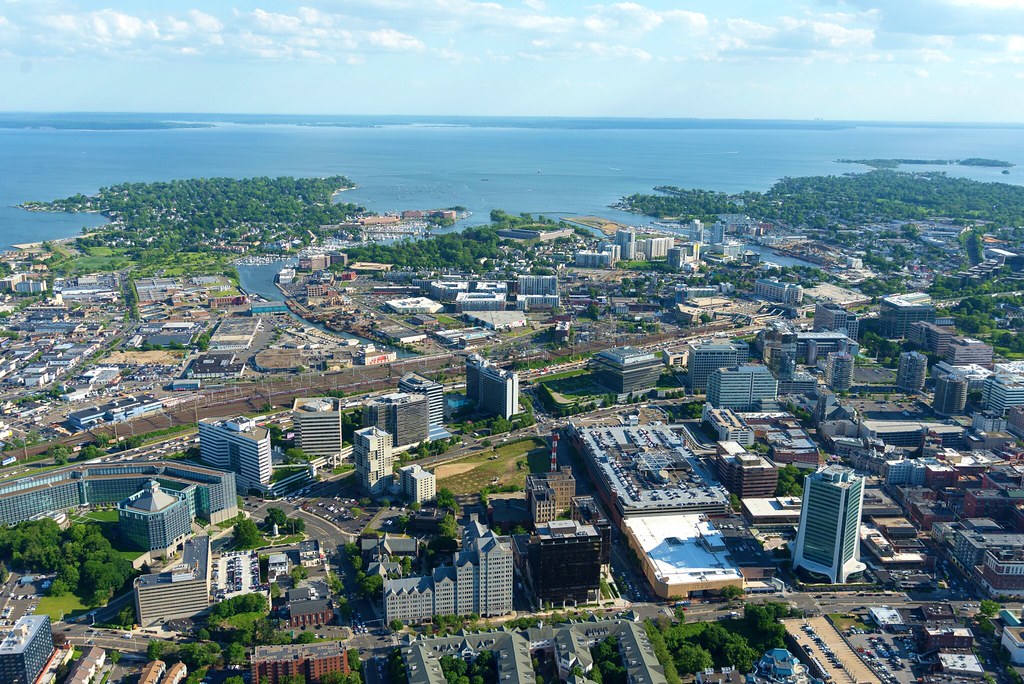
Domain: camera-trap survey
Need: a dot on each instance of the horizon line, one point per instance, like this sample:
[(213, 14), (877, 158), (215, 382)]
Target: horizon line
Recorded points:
[(822, 120)]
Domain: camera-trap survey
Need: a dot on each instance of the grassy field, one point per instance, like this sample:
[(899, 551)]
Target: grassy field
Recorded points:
[(59, 606), (845, 622), (569, 390), (108, 515), (508, 464)]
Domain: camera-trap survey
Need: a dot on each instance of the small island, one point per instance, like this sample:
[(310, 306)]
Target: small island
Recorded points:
[(896, 163)]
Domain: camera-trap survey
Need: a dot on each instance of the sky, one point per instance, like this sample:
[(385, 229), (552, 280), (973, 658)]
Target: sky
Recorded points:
[(891, 60)]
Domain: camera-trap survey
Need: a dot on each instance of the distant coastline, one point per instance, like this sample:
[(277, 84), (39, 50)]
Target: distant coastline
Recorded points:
[(117, 121), (896, 163)]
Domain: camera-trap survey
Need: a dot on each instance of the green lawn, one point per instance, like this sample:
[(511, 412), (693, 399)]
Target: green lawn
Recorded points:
[(59, 606), (243, 620), (845, 622), (448, 321), (99, 251), (575, 386), (107, 515), (567, 374), (511, 466)]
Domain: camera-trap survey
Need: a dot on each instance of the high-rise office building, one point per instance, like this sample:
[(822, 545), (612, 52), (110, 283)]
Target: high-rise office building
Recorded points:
[(1001, 391), (896, 313), (406, 417), (741, 388), (565, 561), (935, 339), (779, 349), (155, 520), (373, 458), (180, 591), (317, 424), (493, 389), (238, 445), (832, 316), (963, 351), (586, 510), (474, 364), (828, 539), (25, 649), (839, 371), (745, 474), (412, 383), (626, 369), (626, 240), (950, 394), (707, 356), (417, 484), (912, 372)]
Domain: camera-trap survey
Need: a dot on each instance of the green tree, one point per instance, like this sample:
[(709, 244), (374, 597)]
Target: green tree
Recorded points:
[(155, 650), (448, 528), (299, 573), (305, 638), (988, 608), (275, 516), (691, 659), (445, 498), (396, 625), (731, 592), (246, 535), (234, 654), (115, 657), (59, 453)]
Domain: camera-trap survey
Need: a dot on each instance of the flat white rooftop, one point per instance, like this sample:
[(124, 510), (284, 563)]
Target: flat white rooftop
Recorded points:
[(683, 549)]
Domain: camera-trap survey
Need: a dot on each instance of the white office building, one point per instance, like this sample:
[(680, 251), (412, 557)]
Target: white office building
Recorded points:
[(1001, 391), (237, 445), (828, 539), (317, 422), (374, 460), (742, 388), (417, 484), (703, 358)]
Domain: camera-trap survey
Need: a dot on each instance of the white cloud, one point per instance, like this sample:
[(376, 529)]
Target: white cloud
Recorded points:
[(390, 39), (608, 51)]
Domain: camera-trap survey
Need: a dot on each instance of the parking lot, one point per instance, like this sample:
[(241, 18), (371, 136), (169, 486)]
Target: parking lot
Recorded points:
[(18, 599), (237, 572), (826, 648), (889, 655)]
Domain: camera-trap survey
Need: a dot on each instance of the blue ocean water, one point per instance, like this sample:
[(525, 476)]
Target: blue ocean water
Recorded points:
[(541, 166)]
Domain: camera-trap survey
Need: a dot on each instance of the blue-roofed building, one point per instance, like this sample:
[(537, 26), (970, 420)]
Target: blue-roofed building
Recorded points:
[(779, 666)]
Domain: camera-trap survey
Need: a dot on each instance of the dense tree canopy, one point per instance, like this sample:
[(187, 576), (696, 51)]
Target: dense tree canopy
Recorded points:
[(449, 250), (84, 560), (819, 201)]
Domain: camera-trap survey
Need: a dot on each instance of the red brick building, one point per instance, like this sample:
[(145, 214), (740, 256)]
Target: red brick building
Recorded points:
[(311, 661), (946, 637), (312, 613)]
